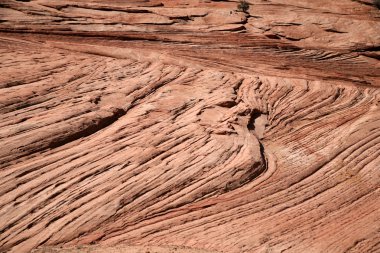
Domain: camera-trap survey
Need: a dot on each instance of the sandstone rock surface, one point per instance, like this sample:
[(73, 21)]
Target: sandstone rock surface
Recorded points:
[(186, 126)]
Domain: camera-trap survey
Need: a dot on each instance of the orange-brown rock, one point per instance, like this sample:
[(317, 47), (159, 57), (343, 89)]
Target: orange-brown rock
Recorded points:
[(187, 126)]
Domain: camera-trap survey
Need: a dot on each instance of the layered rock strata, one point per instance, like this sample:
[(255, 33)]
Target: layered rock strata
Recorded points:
[(189, 124)]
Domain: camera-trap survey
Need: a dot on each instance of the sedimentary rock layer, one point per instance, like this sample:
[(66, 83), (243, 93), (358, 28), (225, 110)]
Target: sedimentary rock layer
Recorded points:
[(187, 123)]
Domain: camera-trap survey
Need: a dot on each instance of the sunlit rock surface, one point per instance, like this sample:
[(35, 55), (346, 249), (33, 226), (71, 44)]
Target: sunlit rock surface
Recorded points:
[(186, 126)]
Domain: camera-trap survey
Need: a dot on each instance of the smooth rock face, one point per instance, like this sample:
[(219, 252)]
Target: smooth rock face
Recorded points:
[(186, 126)]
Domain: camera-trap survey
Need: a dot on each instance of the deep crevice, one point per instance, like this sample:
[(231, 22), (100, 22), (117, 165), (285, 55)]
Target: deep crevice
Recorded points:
[(89, 130), (368, 49), (331, 30), (273, 36), (255, 114)]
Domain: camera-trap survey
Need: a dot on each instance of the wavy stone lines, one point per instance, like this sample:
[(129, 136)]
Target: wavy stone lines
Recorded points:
[(135, 180), (122, 124), (37, 197), (316, 34)]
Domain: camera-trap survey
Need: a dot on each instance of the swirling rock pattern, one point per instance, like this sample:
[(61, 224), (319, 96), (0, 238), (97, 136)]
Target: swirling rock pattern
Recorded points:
[(186, 126)]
